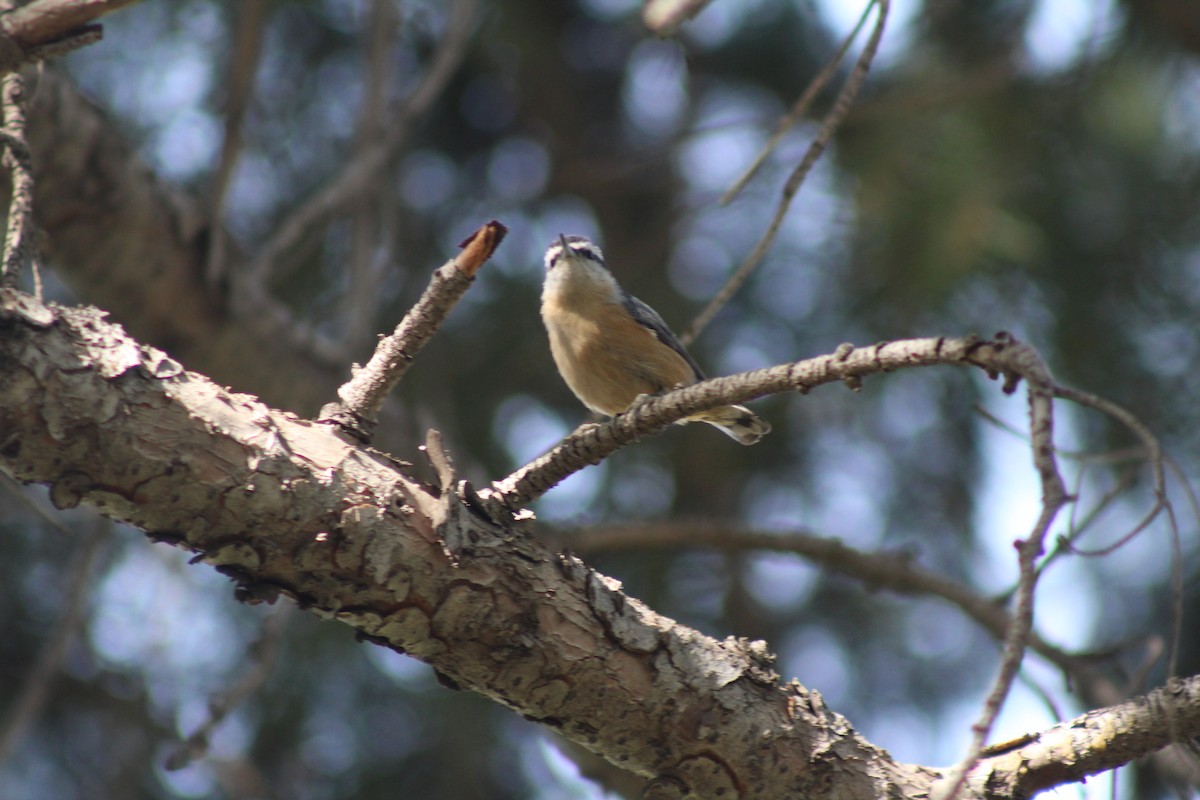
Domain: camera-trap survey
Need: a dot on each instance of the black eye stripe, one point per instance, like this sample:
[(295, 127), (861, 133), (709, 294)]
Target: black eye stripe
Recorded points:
[(572, 247), (585, 252)]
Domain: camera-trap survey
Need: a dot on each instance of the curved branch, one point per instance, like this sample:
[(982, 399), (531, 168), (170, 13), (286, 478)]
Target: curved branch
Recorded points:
[(591, 443), (1020, 629)]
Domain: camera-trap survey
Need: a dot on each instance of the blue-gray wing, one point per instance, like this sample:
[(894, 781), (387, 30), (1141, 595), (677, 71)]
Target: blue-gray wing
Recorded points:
[(648, 318)]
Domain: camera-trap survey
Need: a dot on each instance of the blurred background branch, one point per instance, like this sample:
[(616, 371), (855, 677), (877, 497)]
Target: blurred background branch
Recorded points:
[(243, 66), (35, 691)]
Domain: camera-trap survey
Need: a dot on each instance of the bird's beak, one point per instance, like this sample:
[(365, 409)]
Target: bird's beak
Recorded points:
[(566, 249)]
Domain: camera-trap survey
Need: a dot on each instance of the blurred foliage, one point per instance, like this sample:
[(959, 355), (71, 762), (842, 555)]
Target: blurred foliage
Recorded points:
[(1003, 169)]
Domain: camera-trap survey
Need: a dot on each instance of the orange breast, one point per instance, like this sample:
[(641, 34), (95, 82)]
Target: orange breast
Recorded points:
[(607, 359)]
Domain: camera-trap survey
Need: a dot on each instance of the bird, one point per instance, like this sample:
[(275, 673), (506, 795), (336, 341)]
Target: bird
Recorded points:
[(612, 348)]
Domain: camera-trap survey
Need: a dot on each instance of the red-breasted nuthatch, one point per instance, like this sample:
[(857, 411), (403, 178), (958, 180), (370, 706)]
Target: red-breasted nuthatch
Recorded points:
[(611, 347)]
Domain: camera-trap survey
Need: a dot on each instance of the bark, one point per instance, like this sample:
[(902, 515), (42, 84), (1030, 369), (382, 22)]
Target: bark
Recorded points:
[(43, 28), (286, 508)]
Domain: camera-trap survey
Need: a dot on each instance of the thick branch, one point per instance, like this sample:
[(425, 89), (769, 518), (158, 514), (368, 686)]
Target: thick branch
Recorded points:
[(592, 443), (43, 21), (287, 508)]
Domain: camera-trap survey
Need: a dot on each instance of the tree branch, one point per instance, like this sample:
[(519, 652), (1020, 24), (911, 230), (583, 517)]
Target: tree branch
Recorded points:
[(1020, 629), (1089, 744), (829, 126), (591, 443), (45, 28), (288, 509), (663, 17), (19, 239), (363, 395)]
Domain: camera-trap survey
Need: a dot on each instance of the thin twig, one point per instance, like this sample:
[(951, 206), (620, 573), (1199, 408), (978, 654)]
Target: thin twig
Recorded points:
[(1121, 455), (1109, 549), (799, 108), (1077, 528), (1177, 568), (19, 238), (1041, 390), (1162, 502), (363, 395), (833, 119), (32, 696)]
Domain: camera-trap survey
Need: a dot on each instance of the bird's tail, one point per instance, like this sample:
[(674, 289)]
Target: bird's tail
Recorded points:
[(737, 422)]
